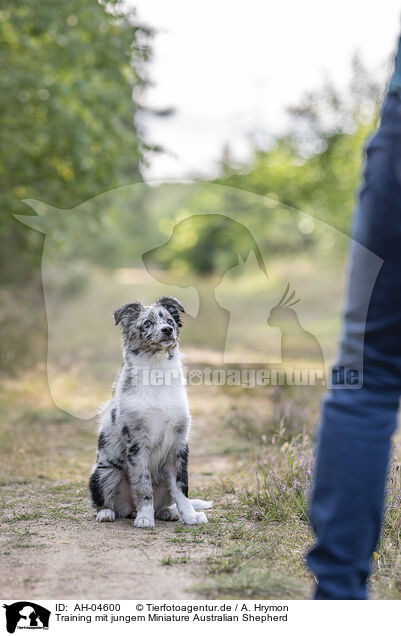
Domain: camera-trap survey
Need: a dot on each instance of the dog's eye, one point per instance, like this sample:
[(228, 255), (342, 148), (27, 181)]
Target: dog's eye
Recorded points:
[(147, 323), (169, 321)]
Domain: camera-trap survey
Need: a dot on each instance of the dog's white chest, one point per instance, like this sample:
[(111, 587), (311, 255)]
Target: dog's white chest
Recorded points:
[(164, 409), (153, 401), (157, 398), (164, 424)]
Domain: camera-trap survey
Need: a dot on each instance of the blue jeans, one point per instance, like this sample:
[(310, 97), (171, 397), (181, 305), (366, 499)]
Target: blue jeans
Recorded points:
[(354, 441)]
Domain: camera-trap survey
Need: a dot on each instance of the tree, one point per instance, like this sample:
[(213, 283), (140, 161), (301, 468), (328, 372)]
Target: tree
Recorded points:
[(69, 90)]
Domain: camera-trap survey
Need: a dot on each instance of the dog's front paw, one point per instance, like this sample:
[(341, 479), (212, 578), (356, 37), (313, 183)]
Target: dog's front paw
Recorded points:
[(105, 515), (194, 518), (144, 522)]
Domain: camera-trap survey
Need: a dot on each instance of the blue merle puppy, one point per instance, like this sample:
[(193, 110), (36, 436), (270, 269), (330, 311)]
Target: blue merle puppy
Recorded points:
[(141, 467)]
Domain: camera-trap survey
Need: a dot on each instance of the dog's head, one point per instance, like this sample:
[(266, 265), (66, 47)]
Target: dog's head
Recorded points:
[(150, 328)]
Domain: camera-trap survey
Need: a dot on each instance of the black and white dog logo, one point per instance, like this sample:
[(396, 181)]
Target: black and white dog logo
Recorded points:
[(26, 615)]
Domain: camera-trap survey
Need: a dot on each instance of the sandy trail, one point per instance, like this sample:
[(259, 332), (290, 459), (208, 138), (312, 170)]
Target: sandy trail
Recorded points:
[(68, 558), (112, 561)]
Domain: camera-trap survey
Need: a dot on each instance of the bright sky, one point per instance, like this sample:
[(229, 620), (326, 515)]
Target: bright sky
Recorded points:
[(231, 68)]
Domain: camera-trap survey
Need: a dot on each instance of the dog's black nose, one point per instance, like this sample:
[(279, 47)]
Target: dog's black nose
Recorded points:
[(167, 330)]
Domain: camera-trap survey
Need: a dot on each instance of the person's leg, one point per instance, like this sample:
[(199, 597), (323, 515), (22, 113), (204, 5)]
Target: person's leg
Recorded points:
[(355, 434)]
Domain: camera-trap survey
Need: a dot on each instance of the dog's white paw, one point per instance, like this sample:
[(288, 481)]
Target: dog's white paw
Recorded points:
[(105, 515), (144, 522), (194, 518)]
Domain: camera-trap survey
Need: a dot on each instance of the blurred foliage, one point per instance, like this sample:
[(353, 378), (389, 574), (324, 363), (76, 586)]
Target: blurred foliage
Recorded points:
[(70, 91), (69, 114), (314, 168), (316, 165), (70, 130), (72, 73)]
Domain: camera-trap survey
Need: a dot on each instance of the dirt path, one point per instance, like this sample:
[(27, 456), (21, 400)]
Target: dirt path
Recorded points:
[(51, 546), (100, 562)]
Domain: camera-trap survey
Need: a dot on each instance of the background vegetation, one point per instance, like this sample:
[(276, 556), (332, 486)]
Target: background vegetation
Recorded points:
[(70, 128), (70, 106)]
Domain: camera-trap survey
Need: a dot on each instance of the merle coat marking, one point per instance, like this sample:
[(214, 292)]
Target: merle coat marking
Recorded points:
[(142, 457)]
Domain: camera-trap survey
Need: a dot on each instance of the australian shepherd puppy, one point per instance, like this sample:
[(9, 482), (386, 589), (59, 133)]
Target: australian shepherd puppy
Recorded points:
[(141, 469)]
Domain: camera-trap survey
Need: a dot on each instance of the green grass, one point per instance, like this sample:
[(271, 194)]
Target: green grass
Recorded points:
[(253, 582), (170, 560), (261, 533)]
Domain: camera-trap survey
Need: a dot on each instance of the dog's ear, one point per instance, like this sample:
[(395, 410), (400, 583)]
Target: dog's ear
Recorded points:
[(173, 306), (130, 311)]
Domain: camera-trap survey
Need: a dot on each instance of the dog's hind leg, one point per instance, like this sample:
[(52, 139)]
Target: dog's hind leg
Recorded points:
[(102, 485), (170, 513), (200, 504), (106, 514)]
